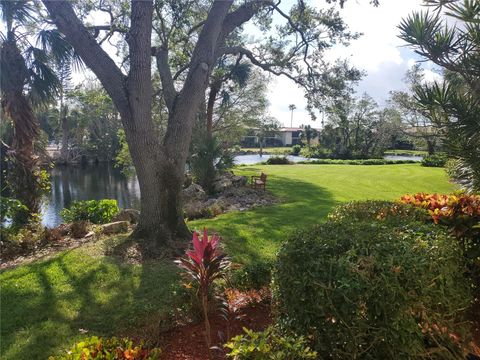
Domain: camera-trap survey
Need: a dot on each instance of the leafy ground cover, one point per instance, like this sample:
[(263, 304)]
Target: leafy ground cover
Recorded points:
[(46, 305)]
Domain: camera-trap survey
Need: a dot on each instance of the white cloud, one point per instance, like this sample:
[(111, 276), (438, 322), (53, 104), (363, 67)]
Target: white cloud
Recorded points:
[(379, 52)]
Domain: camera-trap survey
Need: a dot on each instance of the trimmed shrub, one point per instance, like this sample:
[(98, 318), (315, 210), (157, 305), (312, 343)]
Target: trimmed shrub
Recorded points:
[(435, 160), (269, 344), (296, 150), (252, 276), (316, 152), (377, 210), (277, 160), (373, 289), (95, 211), (108, 349)]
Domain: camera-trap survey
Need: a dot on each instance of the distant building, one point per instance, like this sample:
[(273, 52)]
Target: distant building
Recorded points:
[(286, 136)]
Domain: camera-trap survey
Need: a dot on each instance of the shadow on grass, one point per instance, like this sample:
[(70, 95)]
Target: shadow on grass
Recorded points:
[(47, 305), (256, 235)]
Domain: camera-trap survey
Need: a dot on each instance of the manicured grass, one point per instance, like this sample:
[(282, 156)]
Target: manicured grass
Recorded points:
[(309, 192), (47, 305), (44, 305)]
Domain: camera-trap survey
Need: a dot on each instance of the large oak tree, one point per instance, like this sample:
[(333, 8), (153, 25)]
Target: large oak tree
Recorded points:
[(186, 38)]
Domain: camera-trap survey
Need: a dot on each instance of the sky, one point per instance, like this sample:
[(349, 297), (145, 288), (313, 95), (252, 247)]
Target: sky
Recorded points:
[(379, 52)]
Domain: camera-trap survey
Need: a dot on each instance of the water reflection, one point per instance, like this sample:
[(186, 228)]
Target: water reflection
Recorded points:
[(90, 182)]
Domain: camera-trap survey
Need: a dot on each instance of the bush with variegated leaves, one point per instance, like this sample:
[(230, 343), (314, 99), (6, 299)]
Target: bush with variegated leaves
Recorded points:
[(460, 212), (95, 348)]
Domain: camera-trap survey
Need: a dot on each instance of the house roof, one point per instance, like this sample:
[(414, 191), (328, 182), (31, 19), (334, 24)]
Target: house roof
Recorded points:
[(287, 129)]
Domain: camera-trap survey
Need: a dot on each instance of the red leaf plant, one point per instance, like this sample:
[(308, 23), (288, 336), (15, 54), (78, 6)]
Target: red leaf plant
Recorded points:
[(203, 265)]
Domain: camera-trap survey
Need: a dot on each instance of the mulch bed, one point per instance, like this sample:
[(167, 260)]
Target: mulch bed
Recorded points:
[(187, 342)]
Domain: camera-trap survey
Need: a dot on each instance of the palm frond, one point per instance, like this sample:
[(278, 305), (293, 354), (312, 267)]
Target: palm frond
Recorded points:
[(20, 11), (52, 41)]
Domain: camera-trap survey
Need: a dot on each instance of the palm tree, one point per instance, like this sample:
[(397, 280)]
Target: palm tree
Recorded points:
[(291, 107), (309, 134), (26, 81), (454, 104)]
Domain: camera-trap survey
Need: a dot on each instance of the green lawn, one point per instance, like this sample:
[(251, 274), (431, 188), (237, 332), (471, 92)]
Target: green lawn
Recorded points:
[(45, 305), (309, 192)]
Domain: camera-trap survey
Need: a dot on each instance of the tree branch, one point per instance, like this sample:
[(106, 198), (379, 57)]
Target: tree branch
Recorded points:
[(234, 50), (90, 51), (169, 92), (240, 16)]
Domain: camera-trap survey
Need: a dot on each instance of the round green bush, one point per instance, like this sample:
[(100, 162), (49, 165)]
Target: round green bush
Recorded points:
[(277, 160), (435, 160), (373, 290), (378, 210), (95, 211), (296, 150)]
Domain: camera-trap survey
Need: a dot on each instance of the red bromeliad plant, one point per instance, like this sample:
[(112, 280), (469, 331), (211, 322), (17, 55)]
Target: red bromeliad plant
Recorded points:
[(203, 265)]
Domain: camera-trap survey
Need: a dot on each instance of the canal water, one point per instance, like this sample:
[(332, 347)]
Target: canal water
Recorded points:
[(104, 181)]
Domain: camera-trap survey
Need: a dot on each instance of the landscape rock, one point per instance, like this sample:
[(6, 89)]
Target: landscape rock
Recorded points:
[(195, 209), (233, 197), (227, 180), (89, 235), (116, 227), (78, 229), (130, 215), (222, 184), (194, 192)]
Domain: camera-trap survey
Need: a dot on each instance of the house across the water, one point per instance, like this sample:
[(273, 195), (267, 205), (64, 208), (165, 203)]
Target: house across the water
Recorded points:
[(286, 136)]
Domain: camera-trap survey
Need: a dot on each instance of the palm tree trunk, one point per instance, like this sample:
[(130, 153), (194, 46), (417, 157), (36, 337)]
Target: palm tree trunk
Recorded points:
[(23, 173)]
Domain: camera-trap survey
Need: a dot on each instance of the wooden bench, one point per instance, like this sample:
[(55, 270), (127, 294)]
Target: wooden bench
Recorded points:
[(258, 182)]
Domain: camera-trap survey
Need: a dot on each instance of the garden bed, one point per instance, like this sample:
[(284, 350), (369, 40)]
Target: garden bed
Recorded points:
[(188, 342)]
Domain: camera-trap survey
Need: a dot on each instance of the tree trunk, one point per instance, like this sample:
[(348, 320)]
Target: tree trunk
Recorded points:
[(160, 166), (214, 89), (64, 155), (161, 220), (430, 146)]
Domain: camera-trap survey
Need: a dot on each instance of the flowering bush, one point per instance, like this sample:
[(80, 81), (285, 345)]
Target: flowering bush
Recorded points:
[(203, 265), (108, 349)]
